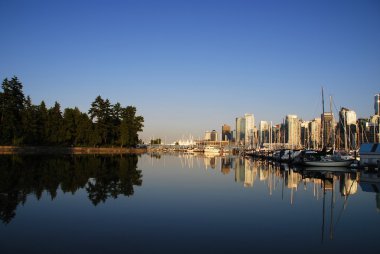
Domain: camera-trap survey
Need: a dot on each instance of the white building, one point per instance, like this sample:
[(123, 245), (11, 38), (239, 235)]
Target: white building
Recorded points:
[(249, 129), (264, 132), (293, 132), (207, 135)]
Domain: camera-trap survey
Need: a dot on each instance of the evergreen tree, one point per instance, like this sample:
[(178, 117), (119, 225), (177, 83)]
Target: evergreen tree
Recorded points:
[(12, 105), (29, 122), (130, 126), (70, 119), (100, 112), (42, 124), (55, 121)]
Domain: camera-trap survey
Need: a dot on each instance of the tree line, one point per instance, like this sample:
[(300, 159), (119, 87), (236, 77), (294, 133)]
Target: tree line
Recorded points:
[(105, 124)]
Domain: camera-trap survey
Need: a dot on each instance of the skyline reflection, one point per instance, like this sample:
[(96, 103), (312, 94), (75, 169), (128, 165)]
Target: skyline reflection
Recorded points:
[(248, 171)]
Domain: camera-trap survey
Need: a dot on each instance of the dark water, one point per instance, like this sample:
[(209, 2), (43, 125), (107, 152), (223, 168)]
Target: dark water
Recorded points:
[(183, 204)]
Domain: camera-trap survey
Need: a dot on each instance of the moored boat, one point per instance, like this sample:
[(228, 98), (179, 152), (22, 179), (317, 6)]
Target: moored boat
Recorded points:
[(212, 150), (329, 161)]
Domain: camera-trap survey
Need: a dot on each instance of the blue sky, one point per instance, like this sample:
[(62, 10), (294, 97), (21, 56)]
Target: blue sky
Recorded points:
[(191, 66)]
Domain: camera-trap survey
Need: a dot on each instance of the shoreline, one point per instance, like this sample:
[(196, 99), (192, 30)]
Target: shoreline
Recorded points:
[(68, 150)]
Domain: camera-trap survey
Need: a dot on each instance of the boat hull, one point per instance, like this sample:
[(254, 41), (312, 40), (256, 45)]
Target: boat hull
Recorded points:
[(329, 163)]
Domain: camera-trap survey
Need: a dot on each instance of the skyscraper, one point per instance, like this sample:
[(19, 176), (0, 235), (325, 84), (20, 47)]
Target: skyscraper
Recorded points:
[(305, 134), (328, 127), (292, 134), (377, 104), (315, 133), (226, 133), (240, 129), (207, 136), (249, 129), (347, 129), (214, 135), (263, 132)]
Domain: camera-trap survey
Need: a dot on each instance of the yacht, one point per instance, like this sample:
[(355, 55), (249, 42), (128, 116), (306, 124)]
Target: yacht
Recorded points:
[(212, 150)]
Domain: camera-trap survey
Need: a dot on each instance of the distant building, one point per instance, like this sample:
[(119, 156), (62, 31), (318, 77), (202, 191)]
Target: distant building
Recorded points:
[(363, 130), (214, 136), (377, 104), (305, 134), (263, 132), (347, 129), (249, 129), (292, 134), (328, 127), (226, 133), (374, 127), (276, 134), (207, 136), (315, 133), (240, 130), (234, 135)]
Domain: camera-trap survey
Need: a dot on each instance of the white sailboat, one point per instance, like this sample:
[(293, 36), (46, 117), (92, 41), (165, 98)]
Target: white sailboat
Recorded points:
[(335, 160)]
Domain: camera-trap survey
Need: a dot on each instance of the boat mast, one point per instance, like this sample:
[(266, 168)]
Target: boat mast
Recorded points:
[(323, 118), (332, 125)]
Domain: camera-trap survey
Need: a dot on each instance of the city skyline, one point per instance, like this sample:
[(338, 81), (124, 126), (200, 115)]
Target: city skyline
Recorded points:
[(193, 66)]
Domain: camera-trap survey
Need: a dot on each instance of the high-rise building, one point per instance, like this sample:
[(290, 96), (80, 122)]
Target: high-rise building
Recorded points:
[(276, 134), (305, 134), (226, 133), (328, 127), (263, 132), (240, 130), (347, 129), (374, 129), (214, 135), (377, 104), (315, 133), (292, 134), (207, 136), (249, 129), (363, 130)]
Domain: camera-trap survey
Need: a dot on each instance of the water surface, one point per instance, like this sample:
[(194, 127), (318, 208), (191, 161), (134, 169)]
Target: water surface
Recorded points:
[(182, 204)]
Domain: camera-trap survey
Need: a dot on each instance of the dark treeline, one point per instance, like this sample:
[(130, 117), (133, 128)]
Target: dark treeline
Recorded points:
[(102, 177), (23, 123)]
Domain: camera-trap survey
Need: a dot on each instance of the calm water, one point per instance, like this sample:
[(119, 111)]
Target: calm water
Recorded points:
[(182, 204)]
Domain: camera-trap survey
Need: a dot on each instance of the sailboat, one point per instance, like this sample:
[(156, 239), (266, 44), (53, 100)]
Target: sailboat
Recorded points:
[(331, 160)]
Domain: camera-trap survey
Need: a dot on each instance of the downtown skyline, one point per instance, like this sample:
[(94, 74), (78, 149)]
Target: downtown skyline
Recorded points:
[(191, 66)]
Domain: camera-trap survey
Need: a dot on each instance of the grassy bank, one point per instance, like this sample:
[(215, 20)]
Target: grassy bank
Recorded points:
[(68, 150)]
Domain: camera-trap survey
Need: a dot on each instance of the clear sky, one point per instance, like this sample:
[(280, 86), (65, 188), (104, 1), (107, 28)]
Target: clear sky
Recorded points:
[(191, 66)]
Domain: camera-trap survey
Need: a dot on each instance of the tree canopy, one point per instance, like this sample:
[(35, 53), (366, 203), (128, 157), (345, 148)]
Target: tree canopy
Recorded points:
[(23, 123)]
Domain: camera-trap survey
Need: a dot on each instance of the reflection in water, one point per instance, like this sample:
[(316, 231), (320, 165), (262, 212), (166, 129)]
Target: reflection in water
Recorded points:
[(101, 176)]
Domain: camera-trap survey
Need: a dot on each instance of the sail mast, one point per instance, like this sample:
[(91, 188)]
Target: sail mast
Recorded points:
[(323, 118), (332, 127)]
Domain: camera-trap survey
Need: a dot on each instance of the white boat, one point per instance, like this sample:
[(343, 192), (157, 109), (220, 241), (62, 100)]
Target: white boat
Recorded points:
[(329, 161), (212, 150), (198, 150)]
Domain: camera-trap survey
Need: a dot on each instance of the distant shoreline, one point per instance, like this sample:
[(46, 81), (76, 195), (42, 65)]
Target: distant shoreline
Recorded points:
[(68, 150)]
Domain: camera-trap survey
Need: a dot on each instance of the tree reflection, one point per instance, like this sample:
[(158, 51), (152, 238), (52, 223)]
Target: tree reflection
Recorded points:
[(102, 177)]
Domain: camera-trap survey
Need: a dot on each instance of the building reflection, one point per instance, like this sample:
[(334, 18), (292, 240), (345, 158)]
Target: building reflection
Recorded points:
[(288, 180)]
